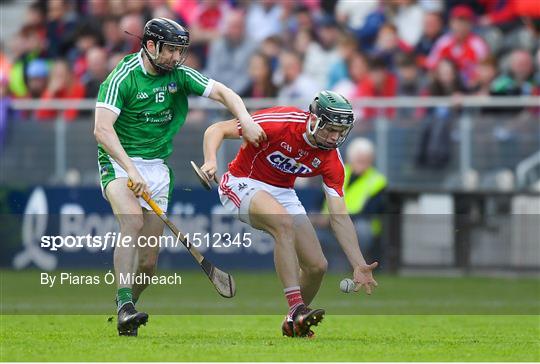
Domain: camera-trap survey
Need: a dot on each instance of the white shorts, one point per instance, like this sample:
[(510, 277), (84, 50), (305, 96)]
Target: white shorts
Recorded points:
[(155, 172), (236, 193)]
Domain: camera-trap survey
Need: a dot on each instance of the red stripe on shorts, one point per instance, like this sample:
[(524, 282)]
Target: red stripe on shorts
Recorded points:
[(227, 191)]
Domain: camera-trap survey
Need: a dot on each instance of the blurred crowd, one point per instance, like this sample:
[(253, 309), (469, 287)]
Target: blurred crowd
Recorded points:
[(286, 49)]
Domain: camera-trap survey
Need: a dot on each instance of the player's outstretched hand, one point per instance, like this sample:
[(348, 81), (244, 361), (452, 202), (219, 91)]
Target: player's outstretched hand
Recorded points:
[(253, 133), (138, 184), (363, 277), (210, 168)]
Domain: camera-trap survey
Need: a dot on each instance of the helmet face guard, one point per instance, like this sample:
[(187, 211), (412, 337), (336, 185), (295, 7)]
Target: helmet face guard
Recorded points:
[(164, 67), (333, 113), (165, 32)]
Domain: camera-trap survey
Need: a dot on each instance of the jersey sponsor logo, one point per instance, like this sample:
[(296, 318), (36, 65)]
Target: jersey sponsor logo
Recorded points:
[(316, 162), (142, 95), (160, 117), (287, 164)]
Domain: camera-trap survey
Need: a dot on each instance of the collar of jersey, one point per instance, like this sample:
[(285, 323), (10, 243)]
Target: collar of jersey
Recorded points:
[(141, 63)]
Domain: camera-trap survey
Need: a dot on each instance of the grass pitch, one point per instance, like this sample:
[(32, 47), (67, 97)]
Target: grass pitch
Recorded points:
[(407, 319)]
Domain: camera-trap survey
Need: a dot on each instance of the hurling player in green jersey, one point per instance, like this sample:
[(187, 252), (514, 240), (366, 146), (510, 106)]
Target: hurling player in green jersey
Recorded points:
[(140, 107)]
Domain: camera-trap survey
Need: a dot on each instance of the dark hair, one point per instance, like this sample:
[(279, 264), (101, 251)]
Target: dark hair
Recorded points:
[(377, 63), (405, 60), (437, 88), (269, 89)]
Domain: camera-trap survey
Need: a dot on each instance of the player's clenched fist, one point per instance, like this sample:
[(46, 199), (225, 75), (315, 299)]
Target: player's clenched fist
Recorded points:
[(210, 168), (138, 184)]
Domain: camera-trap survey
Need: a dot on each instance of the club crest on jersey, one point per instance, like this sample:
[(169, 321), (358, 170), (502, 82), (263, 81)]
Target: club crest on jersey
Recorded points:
[(287, 164), (316, 162), (172, 87)]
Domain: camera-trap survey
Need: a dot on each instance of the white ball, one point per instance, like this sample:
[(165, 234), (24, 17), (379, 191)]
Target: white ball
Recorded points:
[(346, 285)]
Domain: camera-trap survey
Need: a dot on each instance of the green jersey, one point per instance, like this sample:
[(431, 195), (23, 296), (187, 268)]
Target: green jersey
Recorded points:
[(151, 109)]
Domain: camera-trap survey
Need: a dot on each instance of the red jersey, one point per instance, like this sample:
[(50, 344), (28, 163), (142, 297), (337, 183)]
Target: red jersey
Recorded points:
[(467, 55), (288, 154)]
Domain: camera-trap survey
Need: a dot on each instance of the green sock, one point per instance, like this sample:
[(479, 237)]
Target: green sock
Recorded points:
[(124, 295)]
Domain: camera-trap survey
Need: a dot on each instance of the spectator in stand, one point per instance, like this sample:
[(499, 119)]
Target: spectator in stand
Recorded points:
[(506, 14), (263, 19), (112, 36), (229, 55), (97, 71), (114, 59), (61, 25), (347, 46), (86, 37), (206, 24), (322, 54), (37, 74), (35, 17), (295, 84), (461, 45), (486, 73), (367, 33), (140, 8), (357, 70), (62, 85), (409, 77), (303, 20), (185, 9), (434, 148), (410, 83), (519, 80), (302, 42), (432, 31), (388, 45), (25, 46), (134, 24), (446, 80), (260, 73), (96, 11), (408, 20), (117, 8), (271, 47), (354, 14), (379, 83)]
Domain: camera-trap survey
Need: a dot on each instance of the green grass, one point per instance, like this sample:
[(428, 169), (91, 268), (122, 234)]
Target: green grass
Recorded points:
[(407, 319), (257, 338)]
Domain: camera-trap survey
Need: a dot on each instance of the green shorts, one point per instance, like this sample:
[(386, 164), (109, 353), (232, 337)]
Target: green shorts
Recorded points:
[(157, 174)]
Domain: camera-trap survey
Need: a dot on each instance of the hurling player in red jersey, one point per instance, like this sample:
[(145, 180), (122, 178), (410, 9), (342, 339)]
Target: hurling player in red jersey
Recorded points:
[(259, 188)]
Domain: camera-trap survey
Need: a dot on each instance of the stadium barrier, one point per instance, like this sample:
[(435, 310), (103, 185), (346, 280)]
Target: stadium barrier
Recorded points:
[(487, 136), (59, 159)]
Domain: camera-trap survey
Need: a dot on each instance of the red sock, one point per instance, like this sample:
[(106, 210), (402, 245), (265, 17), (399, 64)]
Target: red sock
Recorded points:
[(294, 298)]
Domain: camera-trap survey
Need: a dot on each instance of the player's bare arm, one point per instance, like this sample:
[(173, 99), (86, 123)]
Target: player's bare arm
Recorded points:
[(251, 131), (107, 137), (344, 231), (213, 137)]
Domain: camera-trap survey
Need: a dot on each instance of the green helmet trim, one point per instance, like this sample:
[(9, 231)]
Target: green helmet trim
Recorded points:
[(331, 108)]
